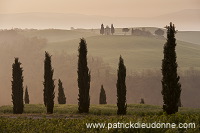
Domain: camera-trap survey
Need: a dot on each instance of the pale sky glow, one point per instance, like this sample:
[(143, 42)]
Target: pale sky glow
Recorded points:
[(115, 8)]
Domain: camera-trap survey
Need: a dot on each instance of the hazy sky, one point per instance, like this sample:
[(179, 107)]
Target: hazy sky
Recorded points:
[(124, 8)]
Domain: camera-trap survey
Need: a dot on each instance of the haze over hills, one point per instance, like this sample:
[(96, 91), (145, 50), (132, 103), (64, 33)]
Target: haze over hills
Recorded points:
[(142, 56), (187, 20)]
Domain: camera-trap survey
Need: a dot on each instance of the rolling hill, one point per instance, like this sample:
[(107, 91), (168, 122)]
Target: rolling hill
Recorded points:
[(139, 52)]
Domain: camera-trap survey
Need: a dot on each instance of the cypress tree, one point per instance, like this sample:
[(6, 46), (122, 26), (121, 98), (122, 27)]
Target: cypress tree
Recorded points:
[(132, 31), (102, 98), (112, 29), (83, 78), (171, 88), (61, 94), (142, 101), (102, 29), (17, 87), (26, 97), (121, 88), (48, 84)]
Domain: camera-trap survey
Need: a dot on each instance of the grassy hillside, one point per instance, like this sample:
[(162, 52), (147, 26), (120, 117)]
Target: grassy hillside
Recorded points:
[(189, 36), (139, 52)]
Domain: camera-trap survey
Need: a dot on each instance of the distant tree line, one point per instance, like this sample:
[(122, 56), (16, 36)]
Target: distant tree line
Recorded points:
[(143, 32), (107, 30), (171, 87), (159, 32)]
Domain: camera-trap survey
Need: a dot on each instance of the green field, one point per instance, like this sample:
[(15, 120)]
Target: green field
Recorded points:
[(138, 52), (67, 119)]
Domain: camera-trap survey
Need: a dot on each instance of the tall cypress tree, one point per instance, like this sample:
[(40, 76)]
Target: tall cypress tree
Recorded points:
[(17, 87), (102, 97), (171, 88), (112, 29), (121, 88), (102, 29), (48, 84), (26, 97), (83, 78), (61, 94)]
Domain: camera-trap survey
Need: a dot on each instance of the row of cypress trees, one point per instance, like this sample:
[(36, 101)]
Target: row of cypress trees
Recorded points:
[(171, 87), (61, 94)]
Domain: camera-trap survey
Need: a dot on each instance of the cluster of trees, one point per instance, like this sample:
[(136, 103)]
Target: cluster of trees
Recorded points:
[(143, 32), (107, 30), (136, 32), (171, 87), (159, 32)]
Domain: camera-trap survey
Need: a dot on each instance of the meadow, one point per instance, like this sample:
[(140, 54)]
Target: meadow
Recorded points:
[(67, 119)]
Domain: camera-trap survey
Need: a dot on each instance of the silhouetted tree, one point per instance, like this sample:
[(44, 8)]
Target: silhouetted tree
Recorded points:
[(142, 101), (102, 29), (125, 30), (83, 78), (102, 97), (121, 88), (17, 87), (61, 94), (132, 31), (26, 97), (171, 88), (159, 32), (48, 84), (112, 29)]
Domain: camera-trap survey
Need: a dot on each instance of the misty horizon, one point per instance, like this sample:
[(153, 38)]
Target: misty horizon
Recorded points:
[(48, 20)]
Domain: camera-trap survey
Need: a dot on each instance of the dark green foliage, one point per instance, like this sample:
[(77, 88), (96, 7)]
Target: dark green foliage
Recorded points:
[(121, 88), (171, 88), (102, 97), (142, 101), (61, 94), (17, 88), (48, 84), (159, 32), (83, 78), (26, 97), (102, 29), (112, 29)]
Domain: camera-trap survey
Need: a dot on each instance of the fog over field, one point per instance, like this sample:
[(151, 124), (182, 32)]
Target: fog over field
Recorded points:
[(142, 57), (47, 20), (29, 28)]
